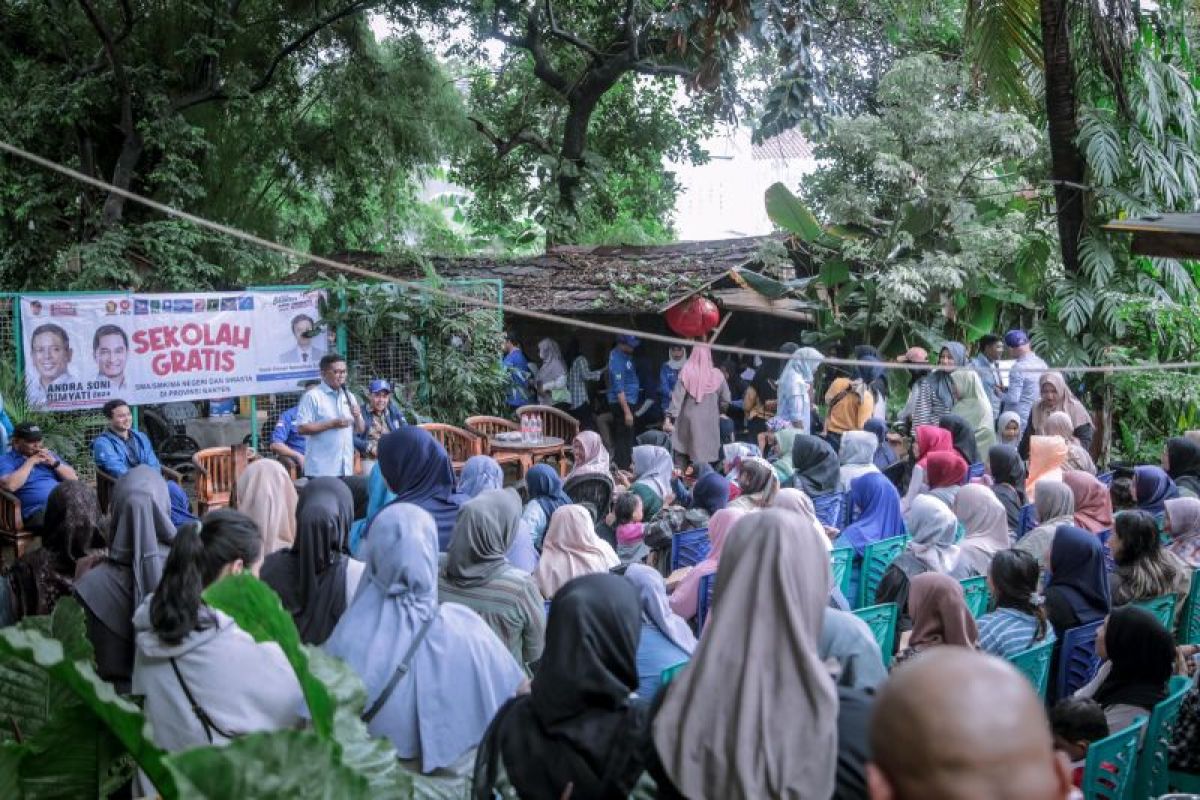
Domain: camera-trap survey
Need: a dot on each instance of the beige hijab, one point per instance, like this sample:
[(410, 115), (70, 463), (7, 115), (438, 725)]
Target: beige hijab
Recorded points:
[(795, 500), (986, 524), (571, 548), (1059, 424), (267, 495), (728, 727)]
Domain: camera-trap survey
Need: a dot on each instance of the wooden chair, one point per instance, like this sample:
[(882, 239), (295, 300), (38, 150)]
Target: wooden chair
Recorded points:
[(12, 527), (217, 471), (105, 483), (554, 423), (460, 444), (487, 427)]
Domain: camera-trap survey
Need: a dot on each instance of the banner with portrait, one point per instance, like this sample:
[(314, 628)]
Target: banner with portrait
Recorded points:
[(82, 350)]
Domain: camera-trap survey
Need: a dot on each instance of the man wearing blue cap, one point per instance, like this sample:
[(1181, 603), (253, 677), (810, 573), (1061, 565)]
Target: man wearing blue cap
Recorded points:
[(1022, 377), (624, 391), (382, 417)]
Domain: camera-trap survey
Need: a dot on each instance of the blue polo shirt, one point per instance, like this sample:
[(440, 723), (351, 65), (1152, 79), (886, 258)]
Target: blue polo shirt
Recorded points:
[(285, 431), (623, 377), (38, 486), (517, 367)]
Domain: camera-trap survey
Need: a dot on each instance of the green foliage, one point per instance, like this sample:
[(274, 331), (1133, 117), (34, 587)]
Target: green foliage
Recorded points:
[(69, 435)]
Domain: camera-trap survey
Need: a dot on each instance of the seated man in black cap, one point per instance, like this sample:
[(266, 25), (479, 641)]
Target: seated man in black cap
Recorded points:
[(31, 472)]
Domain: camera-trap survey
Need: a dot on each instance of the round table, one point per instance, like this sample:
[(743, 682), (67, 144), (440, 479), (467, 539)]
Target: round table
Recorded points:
[(531, 451)]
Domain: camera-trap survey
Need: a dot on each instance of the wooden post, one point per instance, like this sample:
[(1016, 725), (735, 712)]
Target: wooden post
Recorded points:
[(721, 327)]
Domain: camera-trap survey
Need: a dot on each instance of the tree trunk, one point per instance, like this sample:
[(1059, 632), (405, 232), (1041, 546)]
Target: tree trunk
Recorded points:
[(122, 178), (1066, 162)]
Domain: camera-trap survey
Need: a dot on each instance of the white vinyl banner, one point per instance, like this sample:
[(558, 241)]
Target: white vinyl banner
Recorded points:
[(82, 350)]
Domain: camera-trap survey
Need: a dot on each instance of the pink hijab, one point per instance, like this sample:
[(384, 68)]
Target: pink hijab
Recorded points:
[(698, 375), (685, 601), (595, 457)]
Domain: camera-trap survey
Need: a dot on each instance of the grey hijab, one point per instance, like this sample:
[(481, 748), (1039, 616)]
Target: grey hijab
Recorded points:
[(655, 609), (847, 640), (483, 532), (140, 534), (943, 385), (858, 447)]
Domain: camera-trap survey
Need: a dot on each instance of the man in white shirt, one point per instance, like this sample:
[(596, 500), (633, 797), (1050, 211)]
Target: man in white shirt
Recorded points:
[(328, 416), (1023, 390)]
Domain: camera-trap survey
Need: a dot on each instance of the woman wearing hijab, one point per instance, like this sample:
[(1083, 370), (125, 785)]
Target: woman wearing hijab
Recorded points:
[(1145, 569), (1055, 506), (758, 483), (848, 641), (266, 494), (717, 738), (1181, 460), (314, 578), (546, 496), (1077, 592), (939, 616), (932, 394), (760, 402), (930, 439), (709, 495), (933, 528), (1047, 456), (1056, 396), (418, 472), (72, 543), (1182, 523), (477, 575), (685, 600), (879, 517), (668, 373), (654, 469), (850, 404), (857, 457), (732, 455), (945, 473), (570, 549), (1093, 503), (590, 456), (796, 389), (453, 672), (140, 534), (963, 436), (986, 526), (1151, 488), (578, 733), (551, 380), (884, 456), (785, 439), (874, 377), (1078, 459), (694, 414), (480, 474), (974, 408), (1138, 657), (204, 679), (815, 466), (1018, 620), (666, 638), (1008, 482), (1008, 428)]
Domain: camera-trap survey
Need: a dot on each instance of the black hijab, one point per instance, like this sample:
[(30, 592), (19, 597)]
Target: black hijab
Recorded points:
[(1142, 654), (577, 725), (658, 439), (1183, 455), (310, 577), (817, 470), (964, 437), (1008, 481)]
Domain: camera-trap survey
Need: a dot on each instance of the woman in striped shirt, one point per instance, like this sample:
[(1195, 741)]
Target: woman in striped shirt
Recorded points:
[(1018, 621)]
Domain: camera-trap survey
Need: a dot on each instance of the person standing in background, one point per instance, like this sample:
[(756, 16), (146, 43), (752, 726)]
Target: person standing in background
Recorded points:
[(987, 363), (517, 367), (668, 374), (578, 376), (551, 380), (1023, 378), (624, 391), (329, 416)]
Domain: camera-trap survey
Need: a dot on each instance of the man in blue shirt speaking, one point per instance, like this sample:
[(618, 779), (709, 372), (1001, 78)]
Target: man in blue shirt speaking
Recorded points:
[(624, 392), (31, 472)]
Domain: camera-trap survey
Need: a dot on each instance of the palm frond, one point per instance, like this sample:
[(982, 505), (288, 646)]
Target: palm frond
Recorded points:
[(1101, 143), (1003, 44)]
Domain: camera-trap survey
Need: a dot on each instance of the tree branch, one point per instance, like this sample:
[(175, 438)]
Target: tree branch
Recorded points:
[(569, 37), (649, 68), (532, 42), (523, 136)]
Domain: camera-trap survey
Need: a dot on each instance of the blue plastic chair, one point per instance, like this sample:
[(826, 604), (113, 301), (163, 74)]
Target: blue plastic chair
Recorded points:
[(1028, 520), (881, 619), (974, 472), (1077, 659), (849, 512), (1153, 764), (547, 608), (829, 508), (1162, 607), (877, 557), (1189, 622), (1034, 664), (841, 561), (705, 600), (1106, 478), (1111, 764), (976, 595), (689, 548), (1110, 564)]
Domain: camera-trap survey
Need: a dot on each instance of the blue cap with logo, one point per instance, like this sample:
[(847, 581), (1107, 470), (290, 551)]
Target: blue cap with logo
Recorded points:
[(1016, 338), (628, 339), (379, 385)]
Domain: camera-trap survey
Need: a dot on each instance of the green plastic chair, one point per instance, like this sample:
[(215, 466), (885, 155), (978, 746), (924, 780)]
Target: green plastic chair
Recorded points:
[(976, 596), (1034, 664), (841, 560), (881, 619), (1189, 622), (1162, 607), (1152, 767), (669, 673), (1184, 782), (1111, 763), (877, 557)]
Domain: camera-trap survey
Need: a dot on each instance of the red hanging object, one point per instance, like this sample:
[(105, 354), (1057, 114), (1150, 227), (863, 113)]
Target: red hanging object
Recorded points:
[(694, 317)]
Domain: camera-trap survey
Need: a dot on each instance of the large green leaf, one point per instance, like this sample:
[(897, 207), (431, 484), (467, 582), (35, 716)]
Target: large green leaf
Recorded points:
[(258, 611), (786, 211), (981, 318), (291, 765), (28, 696)]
